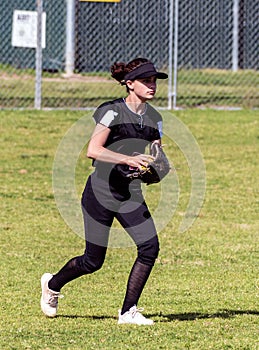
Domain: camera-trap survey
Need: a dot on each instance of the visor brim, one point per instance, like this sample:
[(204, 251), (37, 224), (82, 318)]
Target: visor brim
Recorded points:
[(158, 75)]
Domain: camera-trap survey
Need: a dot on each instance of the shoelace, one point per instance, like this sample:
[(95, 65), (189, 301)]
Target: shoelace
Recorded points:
[(53, 298), (136, 310)]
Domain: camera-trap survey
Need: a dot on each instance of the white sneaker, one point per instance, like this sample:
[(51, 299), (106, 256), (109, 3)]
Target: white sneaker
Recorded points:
[(134, 316), (49, 298)]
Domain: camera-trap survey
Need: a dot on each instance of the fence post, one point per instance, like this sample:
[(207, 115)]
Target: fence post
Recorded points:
[(235, 35), (38, 57), (70, 38), (176, 11), (170, 54)]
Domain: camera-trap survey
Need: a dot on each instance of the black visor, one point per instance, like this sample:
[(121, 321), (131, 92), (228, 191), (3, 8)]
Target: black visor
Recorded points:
[(145, 70)]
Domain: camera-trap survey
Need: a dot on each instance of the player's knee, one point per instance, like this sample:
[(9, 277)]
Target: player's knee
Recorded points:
[(148, 251), (90, 264)]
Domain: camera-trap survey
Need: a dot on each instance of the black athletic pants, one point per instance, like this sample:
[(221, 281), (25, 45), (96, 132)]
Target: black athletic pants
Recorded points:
[(101, 203)]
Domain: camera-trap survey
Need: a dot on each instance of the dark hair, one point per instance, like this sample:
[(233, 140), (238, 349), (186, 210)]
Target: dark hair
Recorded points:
[(120, 69)]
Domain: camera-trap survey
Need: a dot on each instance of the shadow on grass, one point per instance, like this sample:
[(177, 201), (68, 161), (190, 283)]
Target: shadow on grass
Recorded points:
[(90, 317), (192, 316), (188, 316)]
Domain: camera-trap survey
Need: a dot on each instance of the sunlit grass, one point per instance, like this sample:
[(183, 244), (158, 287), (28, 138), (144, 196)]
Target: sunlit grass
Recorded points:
[(203, 291), (195, 88)]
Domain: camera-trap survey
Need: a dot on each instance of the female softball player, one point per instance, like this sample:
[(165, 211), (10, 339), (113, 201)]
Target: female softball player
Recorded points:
[(123, 126)]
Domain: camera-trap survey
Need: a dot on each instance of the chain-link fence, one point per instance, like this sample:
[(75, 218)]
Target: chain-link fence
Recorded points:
[(209, 48), (218, 55)]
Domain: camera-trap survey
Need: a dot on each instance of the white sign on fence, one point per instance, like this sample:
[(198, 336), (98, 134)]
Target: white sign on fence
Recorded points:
[(24, 31)]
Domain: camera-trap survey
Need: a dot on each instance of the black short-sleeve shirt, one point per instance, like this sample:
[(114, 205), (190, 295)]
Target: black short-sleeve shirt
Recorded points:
[(127, 127), (130, 132)]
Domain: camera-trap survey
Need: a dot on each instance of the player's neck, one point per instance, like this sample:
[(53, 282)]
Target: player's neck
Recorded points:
[(135, 105)]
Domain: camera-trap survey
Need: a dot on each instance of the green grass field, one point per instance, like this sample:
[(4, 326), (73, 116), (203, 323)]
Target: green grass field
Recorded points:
[(196, 87), (203, 291)]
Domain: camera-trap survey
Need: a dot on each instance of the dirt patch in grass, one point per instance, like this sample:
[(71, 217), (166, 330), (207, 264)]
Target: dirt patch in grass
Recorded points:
[(58, 79)]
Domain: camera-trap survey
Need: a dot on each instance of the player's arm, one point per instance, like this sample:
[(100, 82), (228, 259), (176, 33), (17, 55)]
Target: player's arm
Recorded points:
[(96, 150)]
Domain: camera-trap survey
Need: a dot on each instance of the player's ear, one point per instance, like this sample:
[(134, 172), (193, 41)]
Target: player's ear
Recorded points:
[(130, 84)]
